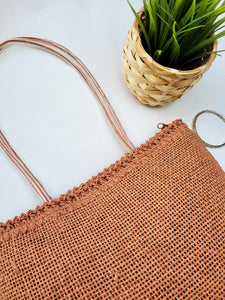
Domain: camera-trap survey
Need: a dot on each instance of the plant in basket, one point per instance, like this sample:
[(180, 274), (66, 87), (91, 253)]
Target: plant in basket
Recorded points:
[(171, 44)]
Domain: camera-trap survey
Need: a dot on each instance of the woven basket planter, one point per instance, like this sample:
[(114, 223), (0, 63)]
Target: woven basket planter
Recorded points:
[(150, 82)]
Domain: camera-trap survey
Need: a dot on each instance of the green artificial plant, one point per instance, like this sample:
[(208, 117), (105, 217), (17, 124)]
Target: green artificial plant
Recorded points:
[(179, 33)]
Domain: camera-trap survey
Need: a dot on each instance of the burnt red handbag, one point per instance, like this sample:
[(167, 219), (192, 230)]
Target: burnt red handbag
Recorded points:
[(150, 226)]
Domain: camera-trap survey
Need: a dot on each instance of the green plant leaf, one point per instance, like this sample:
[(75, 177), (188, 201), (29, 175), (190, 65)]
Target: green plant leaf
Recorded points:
[(190, 13), (146, 15), (142, 27), (177, 9), (189, 29), (198, 20), (175, 48), (218, 23), (194, 58), (203, 44), (165, 31), (167, 13), (169, 26), (157, 55), (177, 32), (152, 23), (202, 7)]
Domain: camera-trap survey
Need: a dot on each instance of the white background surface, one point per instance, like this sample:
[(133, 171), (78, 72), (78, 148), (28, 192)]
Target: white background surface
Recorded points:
[(50, 116)]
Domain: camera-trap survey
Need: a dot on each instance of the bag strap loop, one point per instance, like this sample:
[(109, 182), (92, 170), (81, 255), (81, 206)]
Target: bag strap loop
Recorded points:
[(195, 129), (66, 55)]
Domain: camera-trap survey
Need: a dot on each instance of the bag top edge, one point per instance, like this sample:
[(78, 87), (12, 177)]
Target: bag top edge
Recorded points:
[(36, 217)]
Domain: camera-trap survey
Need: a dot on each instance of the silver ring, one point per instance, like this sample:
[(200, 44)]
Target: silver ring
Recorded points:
[(195, 130)]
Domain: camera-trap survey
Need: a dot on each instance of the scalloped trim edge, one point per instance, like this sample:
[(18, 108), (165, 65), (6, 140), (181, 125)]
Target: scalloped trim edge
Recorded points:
[(78, 196)]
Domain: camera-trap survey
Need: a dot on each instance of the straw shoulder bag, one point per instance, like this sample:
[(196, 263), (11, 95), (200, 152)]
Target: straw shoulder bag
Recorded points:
[(150, 226)]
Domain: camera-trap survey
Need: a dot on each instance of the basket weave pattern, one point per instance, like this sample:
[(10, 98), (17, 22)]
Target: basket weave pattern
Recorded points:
[(150, 82)]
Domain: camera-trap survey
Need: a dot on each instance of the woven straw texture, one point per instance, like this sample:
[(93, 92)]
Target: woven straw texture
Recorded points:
[(150, 82), (151, 226)]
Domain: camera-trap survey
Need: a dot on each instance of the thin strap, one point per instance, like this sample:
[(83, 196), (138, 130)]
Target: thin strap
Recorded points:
[(77, 64), (195, 130), (17, 161)]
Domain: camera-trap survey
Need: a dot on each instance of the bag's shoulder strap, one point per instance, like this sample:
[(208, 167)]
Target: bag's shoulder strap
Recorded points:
[(77, 64)]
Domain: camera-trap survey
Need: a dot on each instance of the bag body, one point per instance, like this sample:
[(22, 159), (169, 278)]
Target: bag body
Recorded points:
[(151, 226)]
